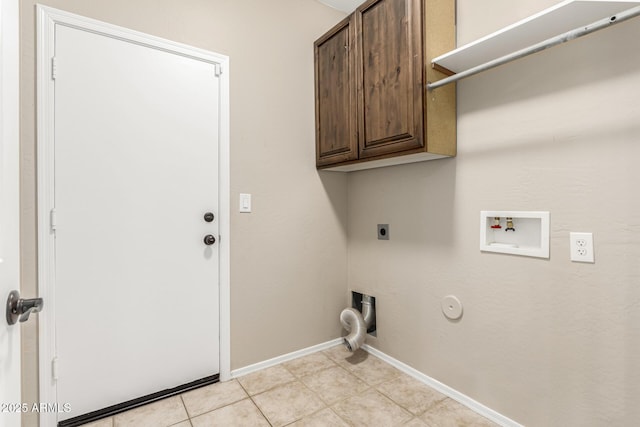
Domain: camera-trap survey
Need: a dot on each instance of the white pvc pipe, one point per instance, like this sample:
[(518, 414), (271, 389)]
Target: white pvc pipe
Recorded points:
[(562, 38)]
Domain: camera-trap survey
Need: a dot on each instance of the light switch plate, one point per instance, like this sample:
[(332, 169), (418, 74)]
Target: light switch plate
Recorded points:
[(245, 202)]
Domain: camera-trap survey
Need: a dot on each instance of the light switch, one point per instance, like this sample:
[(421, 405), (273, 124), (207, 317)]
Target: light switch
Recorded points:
[(245, 202)]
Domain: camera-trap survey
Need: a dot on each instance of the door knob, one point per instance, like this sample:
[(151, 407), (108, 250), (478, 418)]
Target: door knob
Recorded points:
[(20, 308), (209, 239)]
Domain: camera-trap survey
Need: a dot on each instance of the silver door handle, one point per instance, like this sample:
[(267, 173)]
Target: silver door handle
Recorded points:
[(20, 308)]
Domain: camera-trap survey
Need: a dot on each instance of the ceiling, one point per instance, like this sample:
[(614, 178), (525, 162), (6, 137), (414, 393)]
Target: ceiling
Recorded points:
[(343, 5)]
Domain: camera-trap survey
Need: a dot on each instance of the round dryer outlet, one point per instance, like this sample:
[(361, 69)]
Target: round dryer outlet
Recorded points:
[(451, 307)]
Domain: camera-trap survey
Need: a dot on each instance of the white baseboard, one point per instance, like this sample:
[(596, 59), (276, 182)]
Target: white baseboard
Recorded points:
[(284, 358), (444, 389), (433, 383)]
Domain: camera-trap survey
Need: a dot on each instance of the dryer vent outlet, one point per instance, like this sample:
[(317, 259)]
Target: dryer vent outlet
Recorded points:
[(366, 304)]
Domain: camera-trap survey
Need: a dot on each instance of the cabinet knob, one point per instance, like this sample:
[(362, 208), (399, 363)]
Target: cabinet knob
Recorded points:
[(209, 239)]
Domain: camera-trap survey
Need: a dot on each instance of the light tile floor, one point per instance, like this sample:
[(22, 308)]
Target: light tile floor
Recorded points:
[(328, 388)]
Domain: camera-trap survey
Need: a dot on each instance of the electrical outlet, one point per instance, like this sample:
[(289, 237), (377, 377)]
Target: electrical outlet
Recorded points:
[(581, 247), (383, 231)]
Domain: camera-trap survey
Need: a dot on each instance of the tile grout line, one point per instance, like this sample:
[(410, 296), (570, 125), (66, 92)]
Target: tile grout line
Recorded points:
[(375, 388), (430, 407), (298, 379), (220, 407), (254, 402), (330, 406), (333, 363), (186, 411), (326, 405), (434, 405), (368, 387), (457, 397), (260, 410)]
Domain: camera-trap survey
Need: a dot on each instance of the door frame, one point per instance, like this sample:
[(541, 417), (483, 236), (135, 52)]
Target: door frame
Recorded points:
[(47, 19)]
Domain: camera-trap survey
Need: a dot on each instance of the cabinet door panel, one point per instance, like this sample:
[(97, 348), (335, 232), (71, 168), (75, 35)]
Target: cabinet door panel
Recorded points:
[(336, 128), (390, 71)]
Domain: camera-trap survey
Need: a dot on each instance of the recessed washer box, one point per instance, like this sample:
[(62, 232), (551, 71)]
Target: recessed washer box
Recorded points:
[(526, 234)]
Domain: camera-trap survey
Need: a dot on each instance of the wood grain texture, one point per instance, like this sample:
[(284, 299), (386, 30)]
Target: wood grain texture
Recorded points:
[(336, 137), (390, 67), (372, 102)]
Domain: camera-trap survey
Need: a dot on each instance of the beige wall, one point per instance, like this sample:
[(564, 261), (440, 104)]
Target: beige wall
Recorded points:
[(288, 265), (545, 342)]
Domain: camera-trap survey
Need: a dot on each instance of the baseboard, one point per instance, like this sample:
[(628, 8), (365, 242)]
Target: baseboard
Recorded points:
[(444, 389), (284, 358), (433, 383)]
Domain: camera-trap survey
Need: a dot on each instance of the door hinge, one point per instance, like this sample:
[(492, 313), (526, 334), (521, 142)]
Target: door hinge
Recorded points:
[(54, 368), (53, 219), (54, 68), (218, 69)]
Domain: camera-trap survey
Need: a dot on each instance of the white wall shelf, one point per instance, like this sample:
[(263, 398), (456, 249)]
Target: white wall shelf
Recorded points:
[(565, 16)]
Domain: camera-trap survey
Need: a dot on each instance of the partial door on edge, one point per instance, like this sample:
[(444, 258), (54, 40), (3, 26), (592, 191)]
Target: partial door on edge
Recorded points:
[(11, 407)]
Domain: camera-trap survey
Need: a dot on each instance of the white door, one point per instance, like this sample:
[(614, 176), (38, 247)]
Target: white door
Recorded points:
[(136, 170), (9, 210)]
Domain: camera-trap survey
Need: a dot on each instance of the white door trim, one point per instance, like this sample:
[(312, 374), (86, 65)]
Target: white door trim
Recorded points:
[(47, 19)]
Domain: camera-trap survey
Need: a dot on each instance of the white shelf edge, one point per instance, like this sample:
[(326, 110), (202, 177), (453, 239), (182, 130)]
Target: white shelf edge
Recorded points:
[(565, 16), (502, 30)]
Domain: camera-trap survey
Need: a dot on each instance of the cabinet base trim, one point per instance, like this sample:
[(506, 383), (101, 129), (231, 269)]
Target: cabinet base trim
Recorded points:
[(391, 161)]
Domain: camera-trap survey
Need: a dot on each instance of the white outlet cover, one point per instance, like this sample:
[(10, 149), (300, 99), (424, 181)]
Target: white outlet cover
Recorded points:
[(581, 246)]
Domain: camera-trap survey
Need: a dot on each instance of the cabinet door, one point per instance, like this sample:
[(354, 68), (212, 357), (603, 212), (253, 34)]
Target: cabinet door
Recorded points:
[(390, 98), (336, 125)]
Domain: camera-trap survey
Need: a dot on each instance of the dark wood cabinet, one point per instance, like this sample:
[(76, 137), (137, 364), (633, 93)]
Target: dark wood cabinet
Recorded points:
[(390, 96), (336, 119), (380, 57)]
